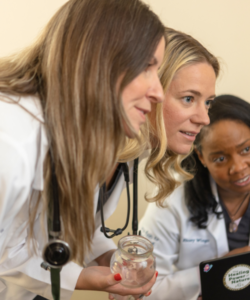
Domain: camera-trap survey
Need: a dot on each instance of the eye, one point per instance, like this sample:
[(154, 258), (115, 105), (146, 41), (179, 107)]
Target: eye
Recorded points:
[(150, 64), (208, 103), (219, 159), (246, 150), (188, 99)]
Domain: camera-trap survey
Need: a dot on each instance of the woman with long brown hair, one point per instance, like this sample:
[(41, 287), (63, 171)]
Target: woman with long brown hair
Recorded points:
[(67, 104)]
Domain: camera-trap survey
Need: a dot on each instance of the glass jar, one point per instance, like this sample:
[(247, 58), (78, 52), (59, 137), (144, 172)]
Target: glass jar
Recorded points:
[(134, 261)]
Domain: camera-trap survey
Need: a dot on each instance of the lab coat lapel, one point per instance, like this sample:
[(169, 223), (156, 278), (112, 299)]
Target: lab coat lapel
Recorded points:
[(218, 230), (217, 226)]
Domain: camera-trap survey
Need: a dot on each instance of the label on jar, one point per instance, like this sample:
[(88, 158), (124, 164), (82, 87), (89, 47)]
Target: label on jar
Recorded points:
[(237, 278)]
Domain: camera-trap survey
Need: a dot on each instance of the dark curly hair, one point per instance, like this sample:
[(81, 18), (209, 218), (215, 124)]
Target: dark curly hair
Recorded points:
[(199, 198)]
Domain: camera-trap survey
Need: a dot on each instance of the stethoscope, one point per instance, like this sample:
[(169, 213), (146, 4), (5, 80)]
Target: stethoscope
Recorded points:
[(56, 252), (119, 231)]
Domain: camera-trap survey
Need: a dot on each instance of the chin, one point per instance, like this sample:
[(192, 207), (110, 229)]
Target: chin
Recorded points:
[(131, 134), (184, 150)]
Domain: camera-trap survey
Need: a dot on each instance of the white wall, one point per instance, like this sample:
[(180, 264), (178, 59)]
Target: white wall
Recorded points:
[(221, 25)]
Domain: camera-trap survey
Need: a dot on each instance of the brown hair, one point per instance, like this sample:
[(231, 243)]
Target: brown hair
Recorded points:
[(75, 67)]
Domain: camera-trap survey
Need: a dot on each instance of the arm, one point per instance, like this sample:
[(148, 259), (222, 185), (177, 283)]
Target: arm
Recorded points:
[(20, 266), (162, 227)]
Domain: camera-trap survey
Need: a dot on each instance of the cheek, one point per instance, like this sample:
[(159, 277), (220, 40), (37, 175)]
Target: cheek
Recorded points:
[(169, 113), (133, 92), (174, 118), (219, 175), (126, 98)]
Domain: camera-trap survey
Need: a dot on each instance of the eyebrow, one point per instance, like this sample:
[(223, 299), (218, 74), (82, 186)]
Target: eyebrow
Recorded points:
[(196, 93), (216, 153), (221, 152), (240, 145)]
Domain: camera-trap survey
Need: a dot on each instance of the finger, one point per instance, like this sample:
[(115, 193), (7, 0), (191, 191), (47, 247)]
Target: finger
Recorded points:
[(111, 297), (113, 279), (148, 293), (142, 295), (112, 286)]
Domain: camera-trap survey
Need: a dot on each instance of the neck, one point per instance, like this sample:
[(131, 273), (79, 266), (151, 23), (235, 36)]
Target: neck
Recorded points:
[(235, 203), (228, 196)]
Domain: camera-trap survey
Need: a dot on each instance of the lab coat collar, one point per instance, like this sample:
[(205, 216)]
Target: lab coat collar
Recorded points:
[(31, 104), (217, 226), (214, 190)]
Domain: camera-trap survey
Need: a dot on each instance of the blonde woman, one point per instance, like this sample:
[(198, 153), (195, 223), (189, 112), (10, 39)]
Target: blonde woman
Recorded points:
[(188, 75), (68, 101), (184, 109)]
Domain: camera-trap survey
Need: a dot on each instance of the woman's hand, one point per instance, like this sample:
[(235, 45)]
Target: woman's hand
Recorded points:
[(101, 279), (238, 251)]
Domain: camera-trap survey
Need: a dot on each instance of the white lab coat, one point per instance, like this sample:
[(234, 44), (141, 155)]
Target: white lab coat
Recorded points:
[(23, 146), (179, 246)]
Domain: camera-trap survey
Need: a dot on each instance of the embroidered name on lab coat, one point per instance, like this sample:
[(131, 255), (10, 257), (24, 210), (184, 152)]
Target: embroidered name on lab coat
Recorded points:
[(148, 235), (203, 241)]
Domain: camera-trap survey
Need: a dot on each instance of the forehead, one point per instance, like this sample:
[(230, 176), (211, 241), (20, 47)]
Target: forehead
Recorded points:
[(195, 75), (225, 135), (194, 67), (159, 52)]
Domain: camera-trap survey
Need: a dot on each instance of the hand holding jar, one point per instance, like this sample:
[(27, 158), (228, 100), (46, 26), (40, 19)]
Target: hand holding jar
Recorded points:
[(134, 261)]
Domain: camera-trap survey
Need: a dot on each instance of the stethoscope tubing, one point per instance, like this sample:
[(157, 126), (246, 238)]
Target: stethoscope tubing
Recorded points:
[(119, 231)]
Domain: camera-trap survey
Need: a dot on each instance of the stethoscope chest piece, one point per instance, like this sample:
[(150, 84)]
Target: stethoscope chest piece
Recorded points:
[(56, 253)]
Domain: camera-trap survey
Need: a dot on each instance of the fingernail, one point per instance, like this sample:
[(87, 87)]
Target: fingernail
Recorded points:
[(117, 277), (148, 294), (156, 274)]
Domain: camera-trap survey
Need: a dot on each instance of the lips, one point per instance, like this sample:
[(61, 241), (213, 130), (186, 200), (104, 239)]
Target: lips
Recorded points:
[(142, 110), (189, 135), (243, 181)]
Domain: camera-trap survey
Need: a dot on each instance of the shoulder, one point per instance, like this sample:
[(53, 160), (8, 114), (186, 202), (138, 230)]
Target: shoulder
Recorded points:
[(19, 116), (176, 201), (174, 210)]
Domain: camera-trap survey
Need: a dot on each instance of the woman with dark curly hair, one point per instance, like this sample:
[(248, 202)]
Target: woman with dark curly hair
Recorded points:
[(209, 216)]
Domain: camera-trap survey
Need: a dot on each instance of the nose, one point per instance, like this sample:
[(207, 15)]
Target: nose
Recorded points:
[(155, 92), (201, 115), (238, 165)]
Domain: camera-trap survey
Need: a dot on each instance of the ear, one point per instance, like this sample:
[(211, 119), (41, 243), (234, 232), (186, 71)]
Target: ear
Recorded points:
[(199, 154)]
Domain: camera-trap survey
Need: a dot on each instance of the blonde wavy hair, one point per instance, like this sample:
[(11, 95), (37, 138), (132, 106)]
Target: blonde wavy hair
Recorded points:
[(163, 165), (87, 54)]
